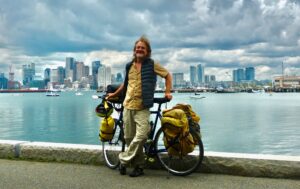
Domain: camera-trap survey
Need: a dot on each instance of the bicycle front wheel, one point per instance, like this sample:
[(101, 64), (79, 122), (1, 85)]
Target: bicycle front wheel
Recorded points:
[(112, 148), (179, 165)]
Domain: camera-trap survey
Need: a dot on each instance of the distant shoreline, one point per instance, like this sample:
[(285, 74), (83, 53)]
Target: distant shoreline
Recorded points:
[(23, 91)]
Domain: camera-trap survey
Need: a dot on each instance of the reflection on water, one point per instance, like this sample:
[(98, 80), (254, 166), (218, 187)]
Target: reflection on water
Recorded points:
[(239, 122)]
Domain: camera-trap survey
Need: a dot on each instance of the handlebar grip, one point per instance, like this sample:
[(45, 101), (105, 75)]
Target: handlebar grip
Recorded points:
[(161, 100)]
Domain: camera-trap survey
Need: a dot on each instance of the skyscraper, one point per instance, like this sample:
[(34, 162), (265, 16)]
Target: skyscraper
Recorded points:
[(235, 76), (60, 74), (79, 70), (70, 66), (240, 74), (11, 74), (104, 77), (86, 71), (47, 75), (200, 73), (212, 78), (250, 74), (178, 80), (28, 73), (3, 81), (193, 75), (95, 67), (206, 78), (119, 78), (53, 76)]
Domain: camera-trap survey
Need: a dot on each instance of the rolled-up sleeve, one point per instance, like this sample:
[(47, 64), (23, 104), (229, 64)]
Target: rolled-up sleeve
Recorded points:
[(159, 70)]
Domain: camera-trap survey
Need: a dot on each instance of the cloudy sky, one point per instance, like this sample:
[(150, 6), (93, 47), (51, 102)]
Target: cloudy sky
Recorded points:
[(220, 34)]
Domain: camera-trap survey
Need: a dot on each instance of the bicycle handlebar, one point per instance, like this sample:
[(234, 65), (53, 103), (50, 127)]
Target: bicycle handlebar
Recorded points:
[(160, 100)]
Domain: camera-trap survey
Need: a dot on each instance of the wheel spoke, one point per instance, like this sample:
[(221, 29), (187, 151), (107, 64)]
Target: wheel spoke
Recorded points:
[(176, 164)]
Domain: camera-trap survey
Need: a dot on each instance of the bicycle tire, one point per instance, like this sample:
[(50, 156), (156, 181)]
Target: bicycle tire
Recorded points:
[(179, 165), (112, 148)]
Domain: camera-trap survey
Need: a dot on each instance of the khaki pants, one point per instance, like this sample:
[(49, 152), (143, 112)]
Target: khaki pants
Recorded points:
[(136, 132)]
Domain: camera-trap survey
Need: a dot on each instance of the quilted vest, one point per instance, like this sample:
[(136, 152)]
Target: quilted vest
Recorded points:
[(148, 81)]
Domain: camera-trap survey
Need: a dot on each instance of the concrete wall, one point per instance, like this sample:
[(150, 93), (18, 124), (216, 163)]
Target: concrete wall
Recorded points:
[(256, 165)]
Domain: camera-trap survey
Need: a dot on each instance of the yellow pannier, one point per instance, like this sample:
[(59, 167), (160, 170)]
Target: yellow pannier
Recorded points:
[(177, 139), (106, 130)]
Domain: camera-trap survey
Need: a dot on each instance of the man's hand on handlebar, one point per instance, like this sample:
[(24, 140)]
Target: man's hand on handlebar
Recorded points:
[(109, 95), (168, 96)]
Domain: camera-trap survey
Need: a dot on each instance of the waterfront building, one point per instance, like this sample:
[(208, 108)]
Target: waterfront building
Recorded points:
[(206, 78), (212, 78), (54, 76), (68, 83), (79, 70), (3, 81), (28, 73), (70, 67), (193, 75), (11, 76), (60, 74), (287, 82), (86, 71), (95, 67), (104, 77), (240, 74), (250, 74), (84, 83), (178, 80), (235, 76), (200, 73), (37, 82), (90, 81), (47, 76), (119, 78)]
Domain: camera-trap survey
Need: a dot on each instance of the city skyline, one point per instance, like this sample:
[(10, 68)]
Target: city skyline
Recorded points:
[(220, 35), (198, 72)]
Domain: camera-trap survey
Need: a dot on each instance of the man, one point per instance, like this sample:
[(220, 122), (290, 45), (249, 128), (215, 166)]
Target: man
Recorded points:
[(139, 86)]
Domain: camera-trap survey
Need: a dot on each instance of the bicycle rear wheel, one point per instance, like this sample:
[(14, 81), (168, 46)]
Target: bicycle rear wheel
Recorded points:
[(113, 147), (179, 165)]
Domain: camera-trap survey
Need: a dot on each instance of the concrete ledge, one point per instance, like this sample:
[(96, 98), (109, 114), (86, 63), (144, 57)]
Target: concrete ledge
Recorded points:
[(255, 165), (10, 148), (60, 152)]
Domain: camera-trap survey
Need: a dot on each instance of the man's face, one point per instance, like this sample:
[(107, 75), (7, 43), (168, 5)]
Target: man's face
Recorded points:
[(140, 50)]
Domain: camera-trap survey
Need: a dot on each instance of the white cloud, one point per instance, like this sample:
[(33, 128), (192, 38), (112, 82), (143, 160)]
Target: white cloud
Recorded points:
[(222, 35)]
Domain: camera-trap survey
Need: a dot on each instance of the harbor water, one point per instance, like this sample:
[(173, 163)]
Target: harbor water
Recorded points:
[(237, 122)]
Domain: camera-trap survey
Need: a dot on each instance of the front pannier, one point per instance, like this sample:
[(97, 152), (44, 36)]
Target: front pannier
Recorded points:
[(106, 130)]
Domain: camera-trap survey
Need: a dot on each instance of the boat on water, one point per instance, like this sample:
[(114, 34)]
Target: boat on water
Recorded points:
[(78, 94), (227, 90), (256, 91), (52, 94), (197, 97)]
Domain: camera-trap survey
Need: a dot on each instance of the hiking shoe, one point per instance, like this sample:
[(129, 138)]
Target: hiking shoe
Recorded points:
[(136, 172), (122, 169)]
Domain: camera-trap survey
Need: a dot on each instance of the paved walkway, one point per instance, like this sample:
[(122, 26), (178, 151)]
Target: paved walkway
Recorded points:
[(42, 175)]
